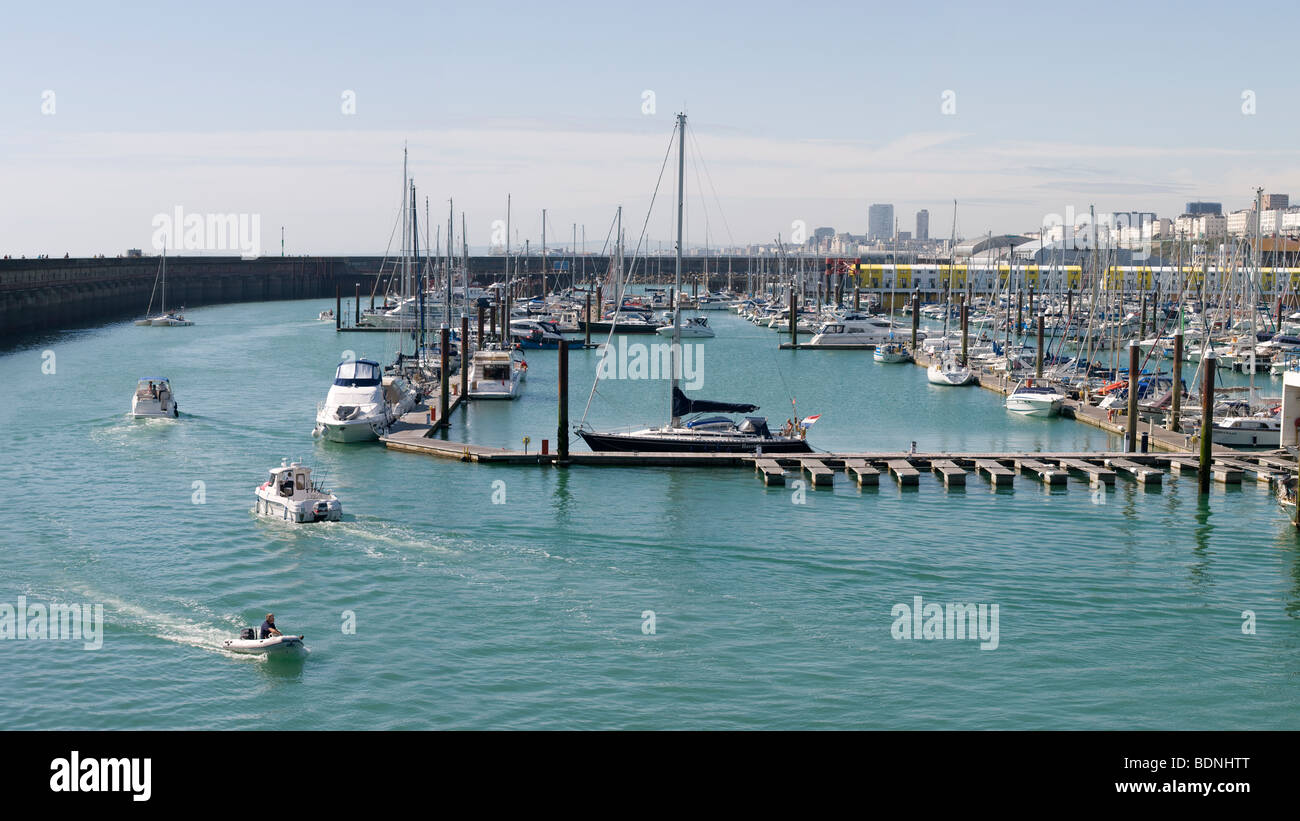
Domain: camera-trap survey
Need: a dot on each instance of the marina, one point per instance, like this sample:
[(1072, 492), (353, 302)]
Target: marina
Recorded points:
[(969, 403)]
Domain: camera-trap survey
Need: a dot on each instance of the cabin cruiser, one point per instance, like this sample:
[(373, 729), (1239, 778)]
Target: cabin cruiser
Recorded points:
[(1263, 430), (361, 404), (692, 328), (536, 334), (858, 332), (1029, 399), (291, 495), (946, 370), (496, 374), (154, 399)]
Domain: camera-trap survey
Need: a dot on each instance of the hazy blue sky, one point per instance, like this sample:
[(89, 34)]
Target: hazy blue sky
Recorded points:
[(803, 111)]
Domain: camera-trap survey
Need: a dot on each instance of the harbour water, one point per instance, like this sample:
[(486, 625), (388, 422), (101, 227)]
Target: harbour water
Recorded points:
[(520, 597)]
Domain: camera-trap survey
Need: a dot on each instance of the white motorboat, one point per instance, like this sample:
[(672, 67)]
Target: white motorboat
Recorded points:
[(891, 353), (855, 333), (946, 370), (1029, 399), (497, 374), (290, 495), (154, 399), (248, 642), (1259, 431), (361, 405), (326, 315), (693, 328)]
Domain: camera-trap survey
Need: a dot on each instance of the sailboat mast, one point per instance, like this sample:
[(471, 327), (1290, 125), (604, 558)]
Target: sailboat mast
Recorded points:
[(676, 348)]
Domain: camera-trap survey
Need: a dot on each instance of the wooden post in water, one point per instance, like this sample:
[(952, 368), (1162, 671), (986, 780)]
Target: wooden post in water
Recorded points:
[(962, 301), (586, 319), (1209, 363), (1031, 300), (857, 298), (1176, 410), (464, 354), (916, 316), (1069, 306), (1020, 312), (1038, 356), (1143, 334), (338, 306), (444, 401), (794, 320), (1132, 421), (480, 326), (496, 309), (562, 426), (357, 307)]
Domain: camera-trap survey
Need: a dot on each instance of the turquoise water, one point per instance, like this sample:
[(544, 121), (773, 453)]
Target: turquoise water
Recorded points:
[(1119, 609)]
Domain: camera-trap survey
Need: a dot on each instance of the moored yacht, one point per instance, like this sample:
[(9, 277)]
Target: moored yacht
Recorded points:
[(1029, 399), (946, 370), (361, 404), (496, 374), (693, 328)]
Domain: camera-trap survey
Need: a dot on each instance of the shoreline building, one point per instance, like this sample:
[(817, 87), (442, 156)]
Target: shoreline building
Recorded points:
[(880, 221)]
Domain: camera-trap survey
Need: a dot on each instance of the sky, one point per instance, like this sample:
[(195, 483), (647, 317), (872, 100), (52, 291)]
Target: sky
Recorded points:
[(800, 114)]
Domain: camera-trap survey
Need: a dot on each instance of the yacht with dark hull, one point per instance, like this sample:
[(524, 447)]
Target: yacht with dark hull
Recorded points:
[(701, 434), (698, 434)]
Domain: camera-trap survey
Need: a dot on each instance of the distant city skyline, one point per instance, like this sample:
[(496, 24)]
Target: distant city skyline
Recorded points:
[(112, 116)]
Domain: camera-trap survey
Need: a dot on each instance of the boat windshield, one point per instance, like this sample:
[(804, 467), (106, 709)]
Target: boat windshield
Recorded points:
[(359, 374)]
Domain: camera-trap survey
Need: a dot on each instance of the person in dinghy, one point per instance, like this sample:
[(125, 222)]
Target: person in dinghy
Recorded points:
[(269, 630)]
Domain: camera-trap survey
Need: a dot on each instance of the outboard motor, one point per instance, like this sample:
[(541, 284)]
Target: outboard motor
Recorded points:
[(248, 633), (320, 510)]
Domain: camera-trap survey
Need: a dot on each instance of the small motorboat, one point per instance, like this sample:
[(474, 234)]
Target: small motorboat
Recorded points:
[(154, 399), (326, 315), (891, 353), (1035, 400), (693, 328), (497, 374), (290, 495), (248, 642)]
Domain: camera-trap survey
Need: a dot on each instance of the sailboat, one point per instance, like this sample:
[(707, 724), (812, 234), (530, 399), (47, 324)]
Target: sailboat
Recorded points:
[(893, 351), (167, 319), (699, 434)]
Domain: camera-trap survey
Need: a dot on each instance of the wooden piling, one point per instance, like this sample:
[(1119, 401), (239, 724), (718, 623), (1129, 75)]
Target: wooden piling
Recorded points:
[(916, 317), (562, 426), (1038, 356), (1207, 422), (1176, 410), (356, 320), (794, 320), (586, 318), (445, 388), (338, 307), (1132, 421), (965, 328), (464, 353)]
